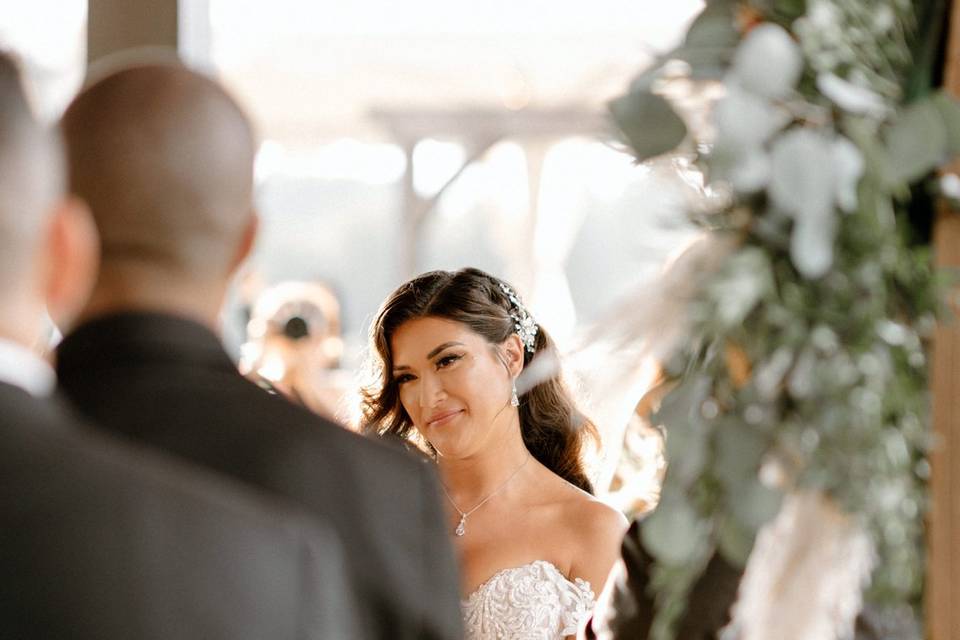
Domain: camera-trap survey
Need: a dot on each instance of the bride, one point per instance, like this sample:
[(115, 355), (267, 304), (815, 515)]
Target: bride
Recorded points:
[(534, 544)]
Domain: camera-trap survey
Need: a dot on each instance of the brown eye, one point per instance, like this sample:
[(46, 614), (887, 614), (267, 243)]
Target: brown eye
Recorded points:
[(446, 361)]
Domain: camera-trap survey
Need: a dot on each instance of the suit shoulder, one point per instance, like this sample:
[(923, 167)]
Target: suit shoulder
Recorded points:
[(375, 452)]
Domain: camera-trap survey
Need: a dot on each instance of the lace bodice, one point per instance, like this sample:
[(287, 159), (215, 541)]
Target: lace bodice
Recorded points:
[(531, 602)]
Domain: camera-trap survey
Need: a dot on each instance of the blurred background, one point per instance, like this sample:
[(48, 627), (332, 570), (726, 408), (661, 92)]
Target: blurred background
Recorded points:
[(402, 137), (399, 138)]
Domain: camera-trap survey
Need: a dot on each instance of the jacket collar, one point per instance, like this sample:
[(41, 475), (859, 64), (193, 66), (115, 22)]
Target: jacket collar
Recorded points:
[(22, 367), (138, 337)]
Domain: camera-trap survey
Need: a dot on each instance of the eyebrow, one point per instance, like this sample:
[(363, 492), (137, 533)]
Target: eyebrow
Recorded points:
[(434, 352)]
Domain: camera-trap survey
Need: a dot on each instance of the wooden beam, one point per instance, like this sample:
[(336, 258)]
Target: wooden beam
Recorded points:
[(943, 586)]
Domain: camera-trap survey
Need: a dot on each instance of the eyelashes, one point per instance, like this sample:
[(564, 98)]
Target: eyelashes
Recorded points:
[(447, 360), (441, 363)]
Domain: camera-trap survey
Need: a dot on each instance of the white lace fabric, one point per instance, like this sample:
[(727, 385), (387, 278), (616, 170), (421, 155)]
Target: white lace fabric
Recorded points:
[(531, 602)]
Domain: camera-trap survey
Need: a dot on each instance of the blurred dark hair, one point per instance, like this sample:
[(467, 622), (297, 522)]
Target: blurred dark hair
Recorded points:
[(553, 429)]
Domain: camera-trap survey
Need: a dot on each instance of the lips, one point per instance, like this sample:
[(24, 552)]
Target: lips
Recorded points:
[(443, 418)]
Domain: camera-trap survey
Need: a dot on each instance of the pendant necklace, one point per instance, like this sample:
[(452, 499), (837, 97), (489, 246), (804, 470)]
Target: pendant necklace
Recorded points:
[(462, 527)]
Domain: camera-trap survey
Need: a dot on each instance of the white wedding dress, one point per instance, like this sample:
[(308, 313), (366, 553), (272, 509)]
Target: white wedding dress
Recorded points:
[(531, 602)]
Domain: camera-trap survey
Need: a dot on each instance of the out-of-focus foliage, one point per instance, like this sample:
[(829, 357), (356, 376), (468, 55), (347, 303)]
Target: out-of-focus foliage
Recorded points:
[(806, 364)]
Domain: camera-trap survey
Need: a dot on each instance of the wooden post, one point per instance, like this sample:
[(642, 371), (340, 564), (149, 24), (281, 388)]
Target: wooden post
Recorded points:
[(115, 25), (943, 577)]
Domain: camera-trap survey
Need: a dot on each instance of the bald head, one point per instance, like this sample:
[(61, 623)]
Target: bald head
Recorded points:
[(164, 158), (31, 178)]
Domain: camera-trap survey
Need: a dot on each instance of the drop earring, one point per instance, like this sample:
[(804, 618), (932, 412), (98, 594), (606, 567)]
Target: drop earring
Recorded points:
[(514, 399)]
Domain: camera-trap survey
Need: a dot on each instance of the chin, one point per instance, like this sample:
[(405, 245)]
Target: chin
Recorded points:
[(451, 448)]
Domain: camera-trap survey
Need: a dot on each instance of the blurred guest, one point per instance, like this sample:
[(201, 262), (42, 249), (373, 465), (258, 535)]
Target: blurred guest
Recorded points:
[(295, 345), (164, 157), (625, 609), (99, 539)]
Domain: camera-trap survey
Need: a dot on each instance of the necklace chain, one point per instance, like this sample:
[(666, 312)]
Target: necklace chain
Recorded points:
[(462, 527)]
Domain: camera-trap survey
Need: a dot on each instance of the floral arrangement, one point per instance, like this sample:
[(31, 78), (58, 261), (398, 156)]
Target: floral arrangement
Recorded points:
[(805, 368)]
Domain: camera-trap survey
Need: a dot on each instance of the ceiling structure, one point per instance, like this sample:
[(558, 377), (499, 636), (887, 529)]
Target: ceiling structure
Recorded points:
[(313, 72)]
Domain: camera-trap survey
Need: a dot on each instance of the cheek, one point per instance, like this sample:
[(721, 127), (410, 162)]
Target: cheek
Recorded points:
[(478, 388), (408, 399)]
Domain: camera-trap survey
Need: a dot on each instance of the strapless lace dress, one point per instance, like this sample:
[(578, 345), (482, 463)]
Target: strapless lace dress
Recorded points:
[(531, 602)]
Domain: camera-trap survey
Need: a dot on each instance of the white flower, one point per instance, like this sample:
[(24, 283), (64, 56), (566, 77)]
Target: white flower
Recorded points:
[(950, 185), (803, 184), (883, 19), (823, 15), (752, 172), (768, 62), (851, 97), (849, 169), (745, 121), (811, 245)]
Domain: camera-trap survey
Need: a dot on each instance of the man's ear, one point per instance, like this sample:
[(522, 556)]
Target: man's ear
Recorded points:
[(72, 258), (512, 350), (247, 241)]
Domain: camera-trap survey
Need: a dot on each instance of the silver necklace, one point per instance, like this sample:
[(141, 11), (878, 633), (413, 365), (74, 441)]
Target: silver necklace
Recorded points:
[(462, 527)]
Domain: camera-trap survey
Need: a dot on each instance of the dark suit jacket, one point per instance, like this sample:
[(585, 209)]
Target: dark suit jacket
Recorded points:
[(626, 608), (167, 382), (102, 540)]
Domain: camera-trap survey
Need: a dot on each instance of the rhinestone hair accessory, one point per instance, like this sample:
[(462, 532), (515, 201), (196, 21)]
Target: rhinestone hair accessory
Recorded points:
[(523, 322)]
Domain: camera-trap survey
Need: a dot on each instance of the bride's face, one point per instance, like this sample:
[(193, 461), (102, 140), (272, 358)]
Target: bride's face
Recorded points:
[(453, 385)]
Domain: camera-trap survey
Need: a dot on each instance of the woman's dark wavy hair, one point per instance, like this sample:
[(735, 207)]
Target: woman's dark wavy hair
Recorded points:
[(553, 429)]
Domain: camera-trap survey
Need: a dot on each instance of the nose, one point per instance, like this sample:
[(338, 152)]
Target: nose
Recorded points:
[(431, 391)]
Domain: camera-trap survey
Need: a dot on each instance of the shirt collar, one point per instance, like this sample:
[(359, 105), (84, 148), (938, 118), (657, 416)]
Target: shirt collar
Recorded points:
[(23, 368)]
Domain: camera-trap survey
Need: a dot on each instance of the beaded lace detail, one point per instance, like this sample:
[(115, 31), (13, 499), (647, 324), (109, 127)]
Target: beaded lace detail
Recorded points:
[(531, 602)]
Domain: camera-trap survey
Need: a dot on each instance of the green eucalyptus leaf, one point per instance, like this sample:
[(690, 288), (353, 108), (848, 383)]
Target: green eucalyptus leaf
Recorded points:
[(745, 279), (686, 451), (711, 40), (674, 534), (714, 27), (754, 504), (790, 9), (739, 450), (734, 542), (916, 143), (643, 82), (686, 435), (649, 123), (681, 406), (949, 109)]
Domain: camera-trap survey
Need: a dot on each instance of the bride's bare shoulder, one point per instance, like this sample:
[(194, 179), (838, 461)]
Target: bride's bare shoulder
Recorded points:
[(583, 512), (594, 534), (595, 520)]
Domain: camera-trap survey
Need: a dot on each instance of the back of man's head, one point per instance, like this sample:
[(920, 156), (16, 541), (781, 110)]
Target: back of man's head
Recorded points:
[(164, 158), (31, 180), (48, 245)]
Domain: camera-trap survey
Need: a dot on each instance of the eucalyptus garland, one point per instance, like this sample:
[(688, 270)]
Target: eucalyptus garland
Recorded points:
[(806, 365)]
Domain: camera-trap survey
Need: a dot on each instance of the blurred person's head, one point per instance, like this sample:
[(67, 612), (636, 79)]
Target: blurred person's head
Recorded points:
[(294, 345), (164, 158), (294, 326), (48, 245)]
